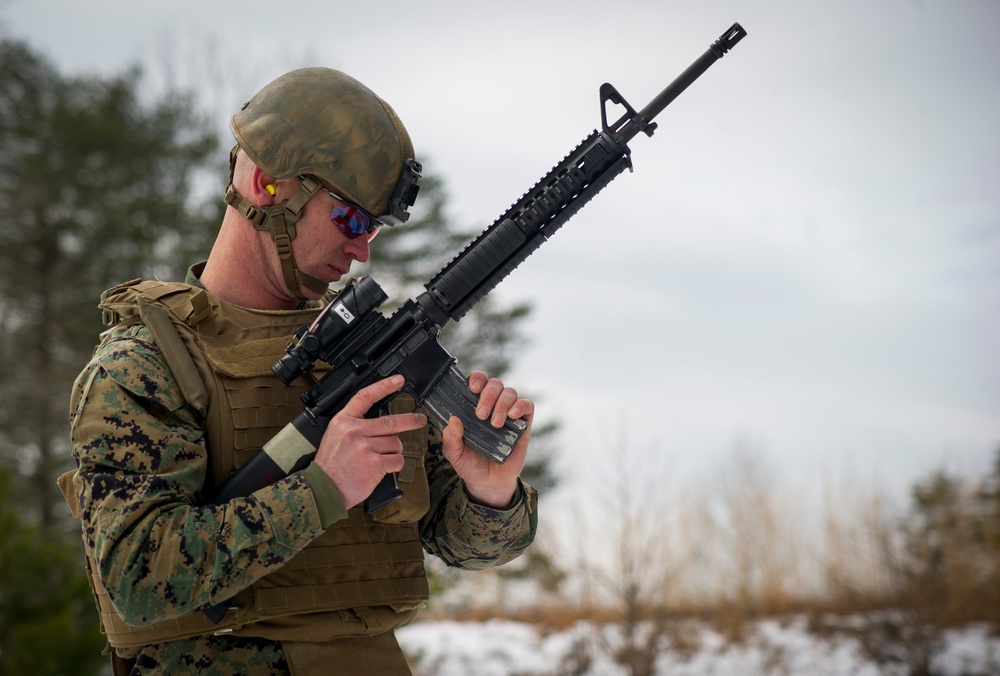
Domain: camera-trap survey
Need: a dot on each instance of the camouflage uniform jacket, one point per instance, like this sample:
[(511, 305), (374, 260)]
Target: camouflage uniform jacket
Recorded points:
[(161, 553)]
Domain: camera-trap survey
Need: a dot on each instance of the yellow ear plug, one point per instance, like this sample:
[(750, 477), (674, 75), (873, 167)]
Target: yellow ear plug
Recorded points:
[(270, 189)]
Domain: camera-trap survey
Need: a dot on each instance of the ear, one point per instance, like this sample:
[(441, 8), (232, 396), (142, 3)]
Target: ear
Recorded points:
[(266, 189)]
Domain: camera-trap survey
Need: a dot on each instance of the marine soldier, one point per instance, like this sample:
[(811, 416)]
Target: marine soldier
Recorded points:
[(180, 393)]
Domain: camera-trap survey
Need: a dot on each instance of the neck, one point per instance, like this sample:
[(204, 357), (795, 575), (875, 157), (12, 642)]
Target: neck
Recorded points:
[(238, 270)]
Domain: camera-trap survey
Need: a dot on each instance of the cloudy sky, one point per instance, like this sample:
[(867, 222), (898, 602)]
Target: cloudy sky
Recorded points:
[(805, 263)]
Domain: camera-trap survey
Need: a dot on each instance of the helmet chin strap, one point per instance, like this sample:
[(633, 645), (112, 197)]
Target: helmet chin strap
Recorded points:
[(279, 220)]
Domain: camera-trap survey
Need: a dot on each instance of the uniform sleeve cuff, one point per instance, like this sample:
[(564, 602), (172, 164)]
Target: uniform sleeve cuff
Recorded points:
[(522, 492), (329, 502)]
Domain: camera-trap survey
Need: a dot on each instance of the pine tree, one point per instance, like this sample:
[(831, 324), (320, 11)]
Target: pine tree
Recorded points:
[(92, 188), (48, 624)]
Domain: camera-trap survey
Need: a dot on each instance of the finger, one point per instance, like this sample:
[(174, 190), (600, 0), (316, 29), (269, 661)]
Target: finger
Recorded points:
[(394, 424), (384, 454), (393, 463), (451, 437), (495, 402), (380, 446), (522, 408), (390, 451), (366, 397), (501, 410), (488, 397), (477, 380)]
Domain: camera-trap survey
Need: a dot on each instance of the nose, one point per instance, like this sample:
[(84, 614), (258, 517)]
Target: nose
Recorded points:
[(358, 248)]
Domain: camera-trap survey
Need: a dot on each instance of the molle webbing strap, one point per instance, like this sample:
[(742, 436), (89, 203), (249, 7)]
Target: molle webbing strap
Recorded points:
[(355, 564), (251, 411), (177, 355), (248, 358), (349, 595)]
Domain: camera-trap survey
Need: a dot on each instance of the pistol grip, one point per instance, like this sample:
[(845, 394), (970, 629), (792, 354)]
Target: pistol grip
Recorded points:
[(385, 492)]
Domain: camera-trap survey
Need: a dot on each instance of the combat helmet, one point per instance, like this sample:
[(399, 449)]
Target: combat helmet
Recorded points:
[(326, 127)]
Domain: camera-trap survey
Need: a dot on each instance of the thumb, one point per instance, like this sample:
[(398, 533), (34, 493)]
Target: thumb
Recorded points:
[(451, 438)]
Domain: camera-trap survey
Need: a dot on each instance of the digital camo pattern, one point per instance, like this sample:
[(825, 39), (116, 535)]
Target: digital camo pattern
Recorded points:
[(161, 555), (141, 467), (468, 535), (214, 656)]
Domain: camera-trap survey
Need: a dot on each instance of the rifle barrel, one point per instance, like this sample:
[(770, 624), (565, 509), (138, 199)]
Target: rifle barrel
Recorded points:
[(715, 52)]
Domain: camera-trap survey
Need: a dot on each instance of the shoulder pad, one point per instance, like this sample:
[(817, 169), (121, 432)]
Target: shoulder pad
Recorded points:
[(146, 300), (189, 303)]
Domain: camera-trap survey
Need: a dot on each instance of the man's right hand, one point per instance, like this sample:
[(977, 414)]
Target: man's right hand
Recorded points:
[(356, 452)]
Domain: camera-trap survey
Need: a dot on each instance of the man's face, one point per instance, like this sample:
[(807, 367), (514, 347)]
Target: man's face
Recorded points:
[(321, 249)]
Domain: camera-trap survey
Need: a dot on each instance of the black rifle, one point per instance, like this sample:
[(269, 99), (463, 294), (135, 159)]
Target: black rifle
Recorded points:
[(363, 346)]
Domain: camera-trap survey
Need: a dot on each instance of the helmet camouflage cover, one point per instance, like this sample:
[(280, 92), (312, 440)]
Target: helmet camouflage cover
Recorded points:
[(322, 122)]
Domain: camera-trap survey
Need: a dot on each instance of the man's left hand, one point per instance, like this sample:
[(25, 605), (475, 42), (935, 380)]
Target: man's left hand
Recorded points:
[(489, 483)]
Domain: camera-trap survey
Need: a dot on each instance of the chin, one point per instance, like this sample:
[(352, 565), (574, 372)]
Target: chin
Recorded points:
[(336, 275)]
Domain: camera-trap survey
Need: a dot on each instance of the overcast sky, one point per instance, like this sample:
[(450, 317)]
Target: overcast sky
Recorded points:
[(805, 262)]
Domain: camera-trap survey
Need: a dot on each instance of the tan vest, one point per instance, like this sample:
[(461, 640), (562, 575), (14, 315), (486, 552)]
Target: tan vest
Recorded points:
[(365, 574)]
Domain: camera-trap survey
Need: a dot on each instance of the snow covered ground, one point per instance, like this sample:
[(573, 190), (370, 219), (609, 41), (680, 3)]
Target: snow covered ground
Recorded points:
[(505, 648)]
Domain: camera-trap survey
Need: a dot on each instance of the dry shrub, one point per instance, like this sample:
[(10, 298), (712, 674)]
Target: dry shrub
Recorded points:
[(646, 555)]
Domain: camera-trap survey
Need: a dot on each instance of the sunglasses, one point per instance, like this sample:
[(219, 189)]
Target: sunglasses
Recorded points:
[(351, 219)]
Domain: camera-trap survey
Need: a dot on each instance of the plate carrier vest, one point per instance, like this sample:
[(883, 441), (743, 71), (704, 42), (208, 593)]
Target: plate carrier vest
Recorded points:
[(365, 574)]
